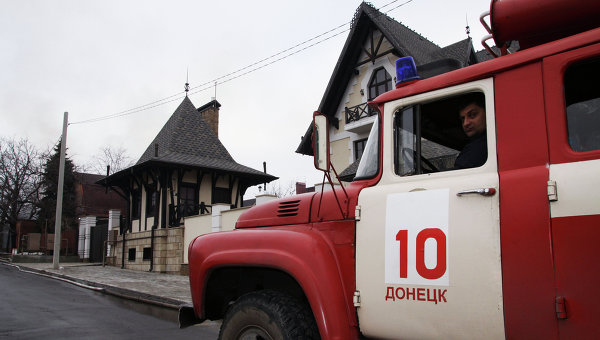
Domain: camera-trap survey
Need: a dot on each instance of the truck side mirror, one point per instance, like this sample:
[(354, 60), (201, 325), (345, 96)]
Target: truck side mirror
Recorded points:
[(321, 141)]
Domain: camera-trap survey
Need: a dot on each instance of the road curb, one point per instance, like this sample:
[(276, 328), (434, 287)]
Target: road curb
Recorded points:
[(107, 289)]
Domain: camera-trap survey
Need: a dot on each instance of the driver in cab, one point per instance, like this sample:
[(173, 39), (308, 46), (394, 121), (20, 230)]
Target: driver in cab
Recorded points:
[(472, 117)]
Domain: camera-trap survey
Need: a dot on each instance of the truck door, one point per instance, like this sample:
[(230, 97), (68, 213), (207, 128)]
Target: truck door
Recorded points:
[(428, 241), (572, 98)]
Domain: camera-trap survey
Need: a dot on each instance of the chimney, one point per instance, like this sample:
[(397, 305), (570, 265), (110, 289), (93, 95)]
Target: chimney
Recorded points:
[(300, 188), (210, 114)]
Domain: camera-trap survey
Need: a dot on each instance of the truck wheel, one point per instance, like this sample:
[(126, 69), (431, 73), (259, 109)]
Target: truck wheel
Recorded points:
[(268, 315)]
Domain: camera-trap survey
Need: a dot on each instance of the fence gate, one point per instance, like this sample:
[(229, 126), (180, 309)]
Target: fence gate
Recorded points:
[(98, 235)]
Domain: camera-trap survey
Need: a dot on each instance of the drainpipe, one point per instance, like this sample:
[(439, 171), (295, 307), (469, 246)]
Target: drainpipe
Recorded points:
[(152, 247), (156, 218), (123, 252), (127, 221), (163, 198)]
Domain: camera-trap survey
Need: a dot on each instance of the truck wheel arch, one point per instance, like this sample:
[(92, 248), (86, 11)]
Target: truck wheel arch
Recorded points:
[(301, 255), (225, 285)]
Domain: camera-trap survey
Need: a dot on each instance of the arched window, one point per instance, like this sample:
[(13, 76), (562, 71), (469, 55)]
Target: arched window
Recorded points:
[(380, 82)]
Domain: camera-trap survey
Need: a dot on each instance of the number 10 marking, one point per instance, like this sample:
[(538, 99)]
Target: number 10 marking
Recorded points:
[(440, 239)]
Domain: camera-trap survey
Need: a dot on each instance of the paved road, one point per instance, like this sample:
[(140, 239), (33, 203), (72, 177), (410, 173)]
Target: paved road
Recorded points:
[(36, 307)]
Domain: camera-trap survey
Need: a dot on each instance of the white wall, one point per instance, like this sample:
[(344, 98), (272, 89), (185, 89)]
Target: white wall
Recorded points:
[(203, 224)]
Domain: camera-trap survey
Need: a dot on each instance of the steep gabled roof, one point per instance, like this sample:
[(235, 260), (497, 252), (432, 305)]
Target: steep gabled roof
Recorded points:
[(461, 51), (186, 140), (405, 42)]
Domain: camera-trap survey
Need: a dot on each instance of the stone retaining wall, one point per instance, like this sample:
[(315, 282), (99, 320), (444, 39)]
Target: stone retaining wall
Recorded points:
[(166, 255)]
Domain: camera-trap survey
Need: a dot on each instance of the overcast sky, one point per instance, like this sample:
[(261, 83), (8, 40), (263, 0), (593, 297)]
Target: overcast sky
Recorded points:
[(100, 58)]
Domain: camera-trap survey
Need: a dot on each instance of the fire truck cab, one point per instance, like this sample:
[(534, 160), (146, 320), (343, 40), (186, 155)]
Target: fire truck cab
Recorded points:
[(419, 246)]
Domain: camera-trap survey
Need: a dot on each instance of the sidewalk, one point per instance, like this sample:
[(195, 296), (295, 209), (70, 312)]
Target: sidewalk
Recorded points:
[(170, 291)]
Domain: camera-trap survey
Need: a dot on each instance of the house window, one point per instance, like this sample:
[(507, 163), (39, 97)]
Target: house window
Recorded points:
[(359, 148), (380, 82), (147, 255), (582, 98), (222, 195), (188, 199), (136, 204), (131, 254), (151, 202)]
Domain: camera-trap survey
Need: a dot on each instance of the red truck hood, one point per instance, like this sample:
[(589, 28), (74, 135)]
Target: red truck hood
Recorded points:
[(284, 211), (305, 208)]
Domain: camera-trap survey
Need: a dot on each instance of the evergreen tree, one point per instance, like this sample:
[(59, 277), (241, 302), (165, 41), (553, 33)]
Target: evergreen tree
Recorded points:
[(47, 213)]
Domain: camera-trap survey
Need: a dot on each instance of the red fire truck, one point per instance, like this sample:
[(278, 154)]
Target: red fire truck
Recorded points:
[(418, 248)]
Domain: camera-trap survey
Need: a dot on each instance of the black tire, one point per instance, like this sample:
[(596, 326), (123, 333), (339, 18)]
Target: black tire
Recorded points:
[(268, 315)]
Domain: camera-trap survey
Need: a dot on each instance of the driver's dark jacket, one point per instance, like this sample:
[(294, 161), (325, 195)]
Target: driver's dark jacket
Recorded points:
[(474, 154)]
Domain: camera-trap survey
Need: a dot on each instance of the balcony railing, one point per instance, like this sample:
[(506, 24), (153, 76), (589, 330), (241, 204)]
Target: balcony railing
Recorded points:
[(358, 112), (177, 212)]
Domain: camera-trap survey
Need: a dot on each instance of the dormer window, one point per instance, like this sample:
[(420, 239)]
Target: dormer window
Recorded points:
[(380, 82)]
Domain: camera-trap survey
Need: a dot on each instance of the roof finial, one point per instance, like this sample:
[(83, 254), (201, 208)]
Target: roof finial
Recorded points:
[(467, 29), (187, 84)]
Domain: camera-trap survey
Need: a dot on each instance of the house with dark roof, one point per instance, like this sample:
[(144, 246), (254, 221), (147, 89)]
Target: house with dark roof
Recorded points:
[(95, 207), (366, 69), (94, 199), (184, 178)]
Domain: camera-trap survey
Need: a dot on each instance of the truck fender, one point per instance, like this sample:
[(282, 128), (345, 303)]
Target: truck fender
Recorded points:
[(299, 251)]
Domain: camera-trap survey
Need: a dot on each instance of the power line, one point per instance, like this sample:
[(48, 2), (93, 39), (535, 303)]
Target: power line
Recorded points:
[(288, 49), (272, 56), (288, 55), (270, 63), (209, 84), (255, 66), (402, 4)]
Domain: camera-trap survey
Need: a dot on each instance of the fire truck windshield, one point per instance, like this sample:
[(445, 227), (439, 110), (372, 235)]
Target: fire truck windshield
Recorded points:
[(369, 162)]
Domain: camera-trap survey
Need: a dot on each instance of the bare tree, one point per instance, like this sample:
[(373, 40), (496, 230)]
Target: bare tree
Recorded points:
[(20, 180), (116, 158), (279, 190)]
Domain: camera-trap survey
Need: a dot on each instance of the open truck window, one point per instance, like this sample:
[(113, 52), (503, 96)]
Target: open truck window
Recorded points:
[(429, 137), (369, 162), (582, 98)]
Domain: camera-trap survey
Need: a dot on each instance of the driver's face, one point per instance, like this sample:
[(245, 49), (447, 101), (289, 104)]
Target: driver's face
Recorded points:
[(473, 120)]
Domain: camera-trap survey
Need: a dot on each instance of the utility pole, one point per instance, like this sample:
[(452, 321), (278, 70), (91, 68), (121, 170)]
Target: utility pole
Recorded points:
[(59, 194)]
